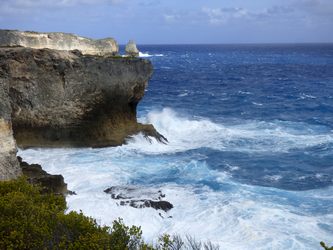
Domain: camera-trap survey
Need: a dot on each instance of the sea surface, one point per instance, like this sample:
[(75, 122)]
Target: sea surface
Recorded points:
[(249, 163)]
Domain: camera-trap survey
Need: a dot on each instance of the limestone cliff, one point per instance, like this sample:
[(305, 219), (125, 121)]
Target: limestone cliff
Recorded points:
[(60, 98), (63, 98), (58, 41), (9, 166)]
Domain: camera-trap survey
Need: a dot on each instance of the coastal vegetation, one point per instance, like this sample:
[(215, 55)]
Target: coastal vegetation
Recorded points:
[(30, 218)]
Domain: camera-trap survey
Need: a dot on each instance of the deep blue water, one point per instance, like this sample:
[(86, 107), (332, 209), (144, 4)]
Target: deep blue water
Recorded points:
[(249, 163), (279, 87)]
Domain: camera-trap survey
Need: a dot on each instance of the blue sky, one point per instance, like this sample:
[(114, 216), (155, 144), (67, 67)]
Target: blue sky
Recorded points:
[(176, 21)]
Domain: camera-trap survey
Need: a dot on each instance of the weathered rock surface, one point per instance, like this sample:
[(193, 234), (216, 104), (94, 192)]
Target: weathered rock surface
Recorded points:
[(9, 166), (139, 197), (73, 93), (63, 98), (58, 41), (131, 49), (48, 182)]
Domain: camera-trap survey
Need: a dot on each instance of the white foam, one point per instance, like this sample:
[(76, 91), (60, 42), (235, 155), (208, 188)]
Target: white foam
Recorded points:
[(186, 133), (257, 104), (240, 218), (236, 217), (146, 54)]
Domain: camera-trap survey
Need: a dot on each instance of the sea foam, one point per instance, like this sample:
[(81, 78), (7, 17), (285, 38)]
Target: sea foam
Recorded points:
[(234, 215)]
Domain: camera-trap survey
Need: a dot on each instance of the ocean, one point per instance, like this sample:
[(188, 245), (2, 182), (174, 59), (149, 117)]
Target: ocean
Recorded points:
[(249, 163)]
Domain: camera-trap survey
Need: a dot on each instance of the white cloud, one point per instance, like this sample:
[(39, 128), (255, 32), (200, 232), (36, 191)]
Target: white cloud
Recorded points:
[(223, 15), (28, 4), (323, 8), (170, 18)]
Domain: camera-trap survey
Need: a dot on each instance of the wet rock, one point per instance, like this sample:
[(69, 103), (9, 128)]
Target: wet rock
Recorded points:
[(48, 182), (139, 197)]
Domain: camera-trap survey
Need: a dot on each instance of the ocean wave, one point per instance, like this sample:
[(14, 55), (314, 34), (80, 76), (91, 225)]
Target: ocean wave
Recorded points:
[(237, 217), (186, 133), (146, 54)]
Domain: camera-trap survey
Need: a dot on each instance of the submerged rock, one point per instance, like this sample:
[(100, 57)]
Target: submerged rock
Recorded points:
[(139, 197), (131, 49)]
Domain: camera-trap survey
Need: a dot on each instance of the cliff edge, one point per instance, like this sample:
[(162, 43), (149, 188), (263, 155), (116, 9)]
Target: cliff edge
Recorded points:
[(58, 41), (60, 98)]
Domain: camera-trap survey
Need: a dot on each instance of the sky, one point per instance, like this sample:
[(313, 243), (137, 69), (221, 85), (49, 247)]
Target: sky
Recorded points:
[(176, 21)]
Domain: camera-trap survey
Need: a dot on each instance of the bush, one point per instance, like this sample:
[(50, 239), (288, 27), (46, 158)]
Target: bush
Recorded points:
[(325, 247), (32, 220)]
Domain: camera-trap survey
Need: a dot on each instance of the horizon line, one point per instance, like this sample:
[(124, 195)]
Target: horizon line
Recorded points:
[(236, 43)]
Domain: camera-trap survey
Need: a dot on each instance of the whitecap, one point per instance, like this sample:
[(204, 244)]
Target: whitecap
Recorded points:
[(186, 133), (146, 54), (257, 104), (238, 217), (183, 94), (307, 96), (244, 92)]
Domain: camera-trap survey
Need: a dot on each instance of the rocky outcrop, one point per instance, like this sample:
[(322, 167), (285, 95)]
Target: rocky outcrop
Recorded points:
[(48, 182), (64, 98), (58, 41), (9, 166), (61, 97), (139, 197), (131, 49)]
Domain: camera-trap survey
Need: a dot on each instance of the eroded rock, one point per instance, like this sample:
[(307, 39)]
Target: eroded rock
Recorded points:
[(9, 166), (63, 98), (58, 41), (49, 182), (139, 197), (131, 49)]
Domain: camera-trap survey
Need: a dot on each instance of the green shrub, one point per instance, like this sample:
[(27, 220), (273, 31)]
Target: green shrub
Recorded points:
[(325, 247), (32, 220)]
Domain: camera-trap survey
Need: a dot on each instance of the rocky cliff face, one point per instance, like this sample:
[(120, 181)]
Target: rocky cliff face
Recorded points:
[(58, 41), (63, 98), (9, 166), (57, 98)]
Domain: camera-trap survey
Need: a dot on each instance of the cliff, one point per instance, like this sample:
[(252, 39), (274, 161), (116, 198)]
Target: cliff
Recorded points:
[(9, 165), (58, 41), (59, 98)]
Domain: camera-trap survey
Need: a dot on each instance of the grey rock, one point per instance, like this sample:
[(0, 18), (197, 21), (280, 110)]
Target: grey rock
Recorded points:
[(64, 98), (58, 41), (60, 98), (139, 197), (49, 183), (9, 166), (131, 49)]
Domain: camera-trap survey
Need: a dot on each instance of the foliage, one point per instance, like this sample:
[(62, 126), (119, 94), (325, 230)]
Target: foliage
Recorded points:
[(32, 220), (325, 247)]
